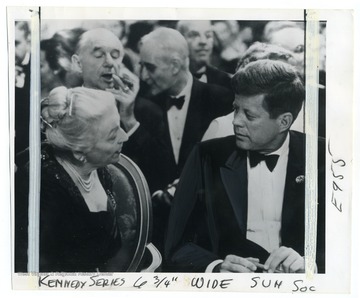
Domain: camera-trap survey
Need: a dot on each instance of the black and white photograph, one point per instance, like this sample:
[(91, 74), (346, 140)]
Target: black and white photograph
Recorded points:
[(201, 150)]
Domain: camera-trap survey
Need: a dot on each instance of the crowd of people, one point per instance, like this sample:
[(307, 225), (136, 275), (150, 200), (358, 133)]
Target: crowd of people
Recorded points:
[(191, 103)]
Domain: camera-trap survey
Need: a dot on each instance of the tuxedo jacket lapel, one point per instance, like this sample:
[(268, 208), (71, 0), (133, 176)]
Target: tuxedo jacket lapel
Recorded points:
[(164, 138), (234, 178)]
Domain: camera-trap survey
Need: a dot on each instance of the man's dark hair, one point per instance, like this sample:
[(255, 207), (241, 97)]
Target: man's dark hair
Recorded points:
[(23, 26), (136, 31), (277, 80), (68, 39), (55, 56)]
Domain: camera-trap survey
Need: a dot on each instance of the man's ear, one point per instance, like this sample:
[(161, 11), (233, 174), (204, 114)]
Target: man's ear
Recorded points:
[(285, 121), (175, 65), (77, 66)]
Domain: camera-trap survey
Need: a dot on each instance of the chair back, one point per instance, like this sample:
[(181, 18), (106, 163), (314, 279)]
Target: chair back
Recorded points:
[(133, 212)]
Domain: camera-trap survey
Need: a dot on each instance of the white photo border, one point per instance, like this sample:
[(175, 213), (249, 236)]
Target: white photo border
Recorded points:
[(340, 70)]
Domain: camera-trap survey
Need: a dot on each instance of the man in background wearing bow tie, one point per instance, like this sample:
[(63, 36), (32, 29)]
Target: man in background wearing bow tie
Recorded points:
[(184, 107), (240, 202), (200, 38)]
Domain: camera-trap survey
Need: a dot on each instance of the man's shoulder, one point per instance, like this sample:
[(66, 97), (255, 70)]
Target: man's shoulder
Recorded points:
[(149, 112), (151, 105), (218, 77), (298, 145), (297, 136), (219, 148), (210, 92), (228, 140), (300, 137), (209, 87), (213, 71)]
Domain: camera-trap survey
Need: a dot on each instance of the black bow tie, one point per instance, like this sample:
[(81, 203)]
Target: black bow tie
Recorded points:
[(270, 160), (175, 101)]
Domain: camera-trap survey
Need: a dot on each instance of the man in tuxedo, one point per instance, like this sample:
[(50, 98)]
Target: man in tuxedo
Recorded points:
[(240, 202), (182, 110), (200, 38), (184, 106)]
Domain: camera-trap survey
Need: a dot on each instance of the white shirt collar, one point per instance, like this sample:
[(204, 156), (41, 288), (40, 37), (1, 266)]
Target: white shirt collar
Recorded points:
[(202, 69), (284, 147), (187, 89)]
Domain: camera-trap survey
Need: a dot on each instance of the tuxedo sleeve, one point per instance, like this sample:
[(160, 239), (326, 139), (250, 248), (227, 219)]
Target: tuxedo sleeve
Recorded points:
[(188, 244)]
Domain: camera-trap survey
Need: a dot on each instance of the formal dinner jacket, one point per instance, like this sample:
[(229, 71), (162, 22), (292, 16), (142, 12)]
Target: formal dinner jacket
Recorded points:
[(150, 146), (218, 77), (208, 219)]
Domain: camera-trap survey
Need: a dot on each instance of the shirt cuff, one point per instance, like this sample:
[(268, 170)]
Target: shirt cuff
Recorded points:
[(133, 129), (212, 265)]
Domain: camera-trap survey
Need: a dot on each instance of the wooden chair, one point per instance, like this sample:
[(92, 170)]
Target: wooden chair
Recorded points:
[(134, 215)]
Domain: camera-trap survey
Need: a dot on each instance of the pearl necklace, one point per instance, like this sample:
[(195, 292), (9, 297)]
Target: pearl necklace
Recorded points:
[(86, 184)]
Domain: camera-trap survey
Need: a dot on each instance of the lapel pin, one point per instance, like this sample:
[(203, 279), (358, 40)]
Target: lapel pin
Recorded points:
[(300, 179)]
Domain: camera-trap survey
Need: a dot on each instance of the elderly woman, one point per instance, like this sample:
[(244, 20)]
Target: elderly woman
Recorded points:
[(78, 227)]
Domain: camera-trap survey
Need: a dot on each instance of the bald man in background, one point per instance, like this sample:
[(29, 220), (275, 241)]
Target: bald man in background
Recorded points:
[(200, 38), (98, 57)]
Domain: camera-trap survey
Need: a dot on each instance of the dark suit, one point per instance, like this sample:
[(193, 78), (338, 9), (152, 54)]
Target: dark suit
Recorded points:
[(208, 219), (150, 146), (217, 77)]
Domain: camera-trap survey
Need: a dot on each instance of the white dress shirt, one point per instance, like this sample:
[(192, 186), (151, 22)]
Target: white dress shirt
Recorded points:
[(177, 118), (203, 77), (265, 200)]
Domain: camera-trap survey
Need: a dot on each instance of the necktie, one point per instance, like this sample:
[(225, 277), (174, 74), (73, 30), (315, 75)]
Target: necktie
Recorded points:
[(270, 160), (178, 102)]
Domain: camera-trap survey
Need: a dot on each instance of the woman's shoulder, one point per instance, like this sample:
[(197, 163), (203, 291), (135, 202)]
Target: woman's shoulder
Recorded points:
[(54, 178)]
